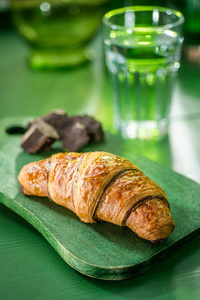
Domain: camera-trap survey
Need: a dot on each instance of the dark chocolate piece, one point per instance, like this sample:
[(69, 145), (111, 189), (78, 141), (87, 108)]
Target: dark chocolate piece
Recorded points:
[(94, 128), (34, 140), (41, 132), (55, 117), (73, 134)]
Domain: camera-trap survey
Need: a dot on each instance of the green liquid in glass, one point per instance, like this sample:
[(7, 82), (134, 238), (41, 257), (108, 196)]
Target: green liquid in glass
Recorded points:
[(142, 66)]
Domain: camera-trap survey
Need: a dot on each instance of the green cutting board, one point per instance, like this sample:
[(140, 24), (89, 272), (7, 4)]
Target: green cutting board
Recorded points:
[(99, 250)]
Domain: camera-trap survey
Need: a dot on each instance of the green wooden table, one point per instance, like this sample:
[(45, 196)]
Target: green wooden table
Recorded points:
[(29, 267)]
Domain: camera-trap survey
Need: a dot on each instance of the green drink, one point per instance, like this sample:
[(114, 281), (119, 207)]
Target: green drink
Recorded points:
[(58, 31), (142, 61)]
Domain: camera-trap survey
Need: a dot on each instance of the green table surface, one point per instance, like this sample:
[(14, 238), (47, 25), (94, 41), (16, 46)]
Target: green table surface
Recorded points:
[(29, 267)]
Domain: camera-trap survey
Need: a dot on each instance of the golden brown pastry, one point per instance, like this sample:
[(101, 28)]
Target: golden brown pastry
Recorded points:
[(101, 186)]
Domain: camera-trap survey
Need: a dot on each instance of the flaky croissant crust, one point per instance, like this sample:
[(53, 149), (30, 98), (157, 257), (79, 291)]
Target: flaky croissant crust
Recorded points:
[(101, 186)]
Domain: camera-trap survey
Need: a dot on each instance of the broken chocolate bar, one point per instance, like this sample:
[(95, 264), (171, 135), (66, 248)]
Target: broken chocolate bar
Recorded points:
[(40, 136), (94, 128), (74, 135), (74, 132), (41, 133), (77, 131)]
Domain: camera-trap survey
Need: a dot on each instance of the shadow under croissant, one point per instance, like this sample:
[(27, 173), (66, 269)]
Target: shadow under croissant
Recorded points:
[(122, 237)]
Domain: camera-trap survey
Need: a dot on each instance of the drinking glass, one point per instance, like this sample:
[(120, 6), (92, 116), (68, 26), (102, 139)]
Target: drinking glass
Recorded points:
[(58, 31), (142, 53)]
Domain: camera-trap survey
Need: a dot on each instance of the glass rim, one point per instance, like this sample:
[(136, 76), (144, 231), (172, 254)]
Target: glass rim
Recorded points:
[(117, 11)]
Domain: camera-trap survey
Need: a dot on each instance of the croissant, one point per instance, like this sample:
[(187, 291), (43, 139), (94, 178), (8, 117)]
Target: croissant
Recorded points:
[(101, 186)]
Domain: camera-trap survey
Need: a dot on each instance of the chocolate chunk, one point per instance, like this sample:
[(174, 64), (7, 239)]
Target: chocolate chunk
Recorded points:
[(73, 134), (34, 140), (41, 132), (55, 117), (94, 128)]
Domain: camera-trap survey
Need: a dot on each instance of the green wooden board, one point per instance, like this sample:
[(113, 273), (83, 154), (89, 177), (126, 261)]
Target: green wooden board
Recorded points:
[(99, 250)]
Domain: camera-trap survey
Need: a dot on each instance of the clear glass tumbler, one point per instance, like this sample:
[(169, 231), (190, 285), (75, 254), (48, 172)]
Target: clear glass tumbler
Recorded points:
[(142, 51)]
